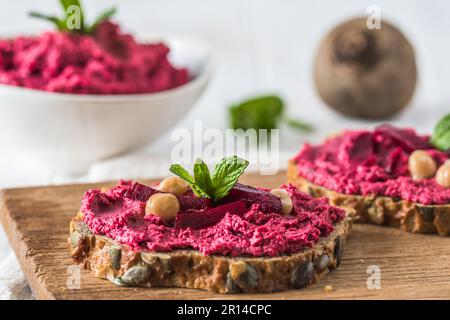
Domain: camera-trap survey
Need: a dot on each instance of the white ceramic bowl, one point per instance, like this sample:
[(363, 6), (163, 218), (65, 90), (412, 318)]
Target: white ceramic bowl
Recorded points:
[(71, 131)]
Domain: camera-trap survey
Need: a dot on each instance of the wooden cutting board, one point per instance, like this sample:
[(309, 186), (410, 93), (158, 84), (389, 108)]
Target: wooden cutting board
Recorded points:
[(36, 221)]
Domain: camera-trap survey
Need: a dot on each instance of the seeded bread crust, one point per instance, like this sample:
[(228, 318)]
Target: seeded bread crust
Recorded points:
[(406, 215), (191, 269)]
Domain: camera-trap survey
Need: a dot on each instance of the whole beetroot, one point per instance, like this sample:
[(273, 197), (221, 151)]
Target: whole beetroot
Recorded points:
[(365, 73)]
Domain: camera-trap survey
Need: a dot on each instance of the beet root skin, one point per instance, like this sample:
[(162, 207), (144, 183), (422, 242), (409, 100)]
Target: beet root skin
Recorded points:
[(365, 73)]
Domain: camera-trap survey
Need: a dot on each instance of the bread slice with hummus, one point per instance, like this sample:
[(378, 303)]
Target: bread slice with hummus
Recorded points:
[(374, 173), (249, 240)]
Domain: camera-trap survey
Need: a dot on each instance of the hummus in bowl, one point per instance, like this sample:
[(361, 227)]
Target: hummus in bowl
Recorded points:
[(70, 122), (105, 62)]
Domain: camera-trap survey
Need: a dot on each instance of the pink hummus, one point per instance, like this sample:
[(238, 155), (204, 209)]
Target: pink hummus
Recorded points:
[(372, 163), (119, 213), (108, 62)]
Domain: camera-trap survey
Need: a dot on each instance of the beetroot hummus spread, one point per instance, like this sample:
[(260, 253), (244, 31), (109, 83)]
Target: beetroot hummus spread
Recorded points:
[(108, 62), (372, 163), (250, 225)]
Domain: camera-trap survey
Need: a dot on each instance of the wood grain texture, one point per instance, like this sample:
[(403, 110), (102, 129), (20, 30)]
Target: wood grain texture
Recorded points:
[(36, 221)]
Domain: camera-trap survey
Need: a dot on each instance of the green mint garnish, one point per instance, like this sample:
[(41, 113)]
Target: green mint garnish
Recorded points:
[(216, 186), (265, 112), (65, 23), (441, 134)]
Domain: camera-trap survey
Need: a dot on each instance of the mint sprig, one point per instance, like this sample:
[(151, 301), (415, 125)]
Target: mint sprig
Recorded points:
[(216, 186), (441, 134), (62, 24), (203, 178)]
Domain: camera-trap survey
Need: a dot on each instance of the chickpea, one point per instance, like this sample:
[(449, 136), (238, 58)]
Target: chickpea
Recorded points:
[(173, 185), (165, 205), (421, 165), (443, 174), (286, 201)]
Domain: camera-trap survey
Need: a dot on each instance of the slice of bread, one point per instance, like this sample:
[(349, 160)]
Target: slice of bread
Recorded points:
[(191, 269), (381, 210)]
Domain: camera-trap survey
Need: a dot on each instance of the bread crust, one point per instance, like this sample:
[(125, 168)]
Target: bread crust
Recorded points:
[(381, 210), (191, 269)]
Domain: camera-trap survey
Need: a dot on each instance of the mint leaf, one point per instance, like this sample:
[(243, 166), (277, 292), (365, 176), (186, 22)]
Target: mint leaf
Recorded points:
[(105, 15), (265, 112), (202, 177), (59, 23), (183, 174), (441, 134), (226, 174), (256, 113)]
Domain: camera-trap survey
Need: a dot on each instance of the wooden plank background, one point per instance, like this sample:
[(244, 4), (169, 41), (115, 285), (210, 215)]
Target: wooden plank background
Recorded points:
[(36, 221)]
